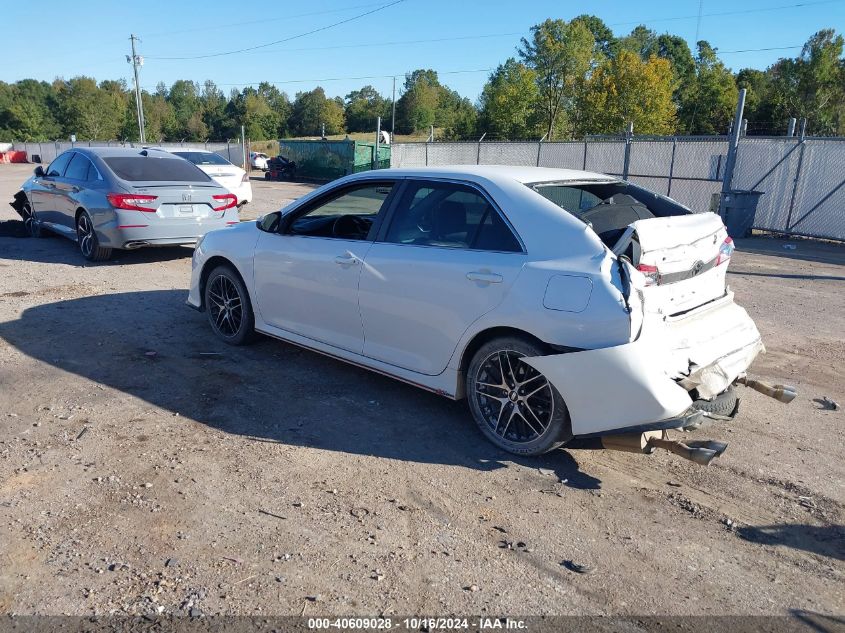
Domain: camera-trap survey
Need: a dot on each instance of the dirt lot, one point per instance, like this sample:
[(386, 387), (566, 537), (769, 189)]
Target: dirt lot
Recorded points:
[(146, 467)]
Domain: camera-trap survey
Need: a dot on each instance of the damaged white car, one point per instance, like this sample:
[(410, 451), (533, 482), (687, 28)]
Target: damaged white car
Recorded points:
[(565, 306)]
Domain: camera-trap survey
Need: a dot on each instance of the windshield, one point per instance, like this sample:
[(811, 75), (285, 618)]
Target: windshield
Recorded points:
[(203, 158), (154, 168)]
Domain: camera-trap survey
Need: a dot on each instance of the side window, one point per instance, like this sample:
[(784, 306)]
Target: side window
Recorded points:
[(57, 167), (450, 216), (78, 168), (348, 215), (93, 174)]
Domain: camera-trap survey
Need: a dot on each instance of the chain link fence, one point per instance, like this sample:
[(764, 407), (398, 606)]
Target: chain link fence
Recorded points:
[(802, 179)]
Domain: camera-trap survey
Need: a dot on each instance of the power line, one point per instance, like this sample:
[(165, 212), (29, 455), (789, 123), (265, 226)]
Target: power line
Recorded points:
[(376, 44), (287, 39), (229, 25), (323, 79), (756, 50), (721, 13)]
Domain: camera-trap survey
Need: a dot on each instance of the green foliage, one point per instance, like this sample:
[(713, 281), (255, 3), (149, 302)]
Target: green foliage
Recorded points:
[(561, 54), (570, 79), (708, 102), (312, 110), (509, 103), (627, 89), (363, 107)]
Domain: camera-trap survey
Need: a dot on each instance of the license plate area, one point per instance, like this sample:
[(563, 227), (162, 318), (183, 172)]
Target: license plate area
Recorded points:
[(181, 211)]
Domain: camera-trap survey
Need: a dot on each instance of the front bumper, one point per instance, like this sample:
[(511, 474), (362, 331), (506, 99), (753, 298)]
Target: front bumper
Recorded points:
[(646, 384)]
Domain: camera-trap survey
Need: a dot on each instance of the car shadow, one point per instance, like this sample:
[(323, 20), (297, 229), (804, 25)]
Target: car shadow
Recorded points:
[(16, 245), (828, 540), (267, 392)]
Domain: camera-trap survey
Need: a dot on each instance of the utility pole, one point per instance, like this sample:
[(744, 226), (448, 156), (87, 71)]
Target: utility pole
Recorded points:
[(136, 60), (393, 116)]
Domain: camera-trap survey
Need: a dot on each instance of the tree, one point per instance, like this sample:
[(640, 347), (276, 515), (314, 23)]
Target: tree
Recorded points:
[(812, 85), (362, 107), (708, 104), (89, 112), (510, 103), (606, 44), (627, 89), (560, 54), (642, 41), (312, 110), (416, 109), (456, 115)]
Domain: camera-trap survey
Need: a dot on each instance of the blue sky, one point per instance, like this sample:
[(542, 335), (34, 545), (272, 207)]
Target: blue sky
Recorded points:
[(56, 38)]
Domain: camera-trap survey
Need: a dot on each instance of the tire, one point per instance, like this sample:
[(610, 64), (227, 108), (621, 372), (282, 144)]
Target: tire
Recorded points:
[(726, 403), (546, 425), (30, 222), (228, 307), (89, 243), (267, 175)]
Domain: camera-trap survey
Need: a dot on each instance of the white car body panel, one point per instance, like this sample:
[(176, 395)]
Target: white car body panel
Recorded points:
[(403, 290), (410, 311)]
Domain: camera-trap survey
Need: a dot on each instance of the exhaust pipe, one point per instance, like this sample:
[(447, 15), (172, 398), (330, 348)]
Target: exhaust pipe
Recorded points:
[(135, 244), (782, 393), (699, 451)]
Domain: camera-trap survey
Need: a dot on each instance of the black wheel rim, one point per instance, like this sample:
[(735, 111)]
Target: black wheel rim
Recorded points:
[(515, 400), (85, 235), (225, 306), (29, 221)]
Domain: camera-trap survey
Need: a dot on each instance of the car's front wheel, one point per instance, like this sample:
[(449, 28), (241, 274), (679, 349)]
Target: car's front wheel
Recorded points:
[(228, 306), (30, 222), (514, 405), (89, 243)]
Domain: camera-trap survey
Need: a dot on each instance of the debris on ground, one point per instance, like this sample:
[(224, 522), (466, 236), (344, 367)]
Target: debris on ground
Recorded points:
[(578, 568)]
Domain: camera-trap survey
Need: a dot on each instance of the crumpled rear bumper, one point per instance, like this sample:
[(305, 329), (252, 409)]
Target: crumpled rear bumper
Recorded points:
[(647, 383)]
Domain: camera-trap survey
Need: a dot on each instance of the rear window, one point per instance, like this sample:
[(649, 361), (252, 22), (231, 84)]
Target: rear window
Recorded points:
[(153, 168), (203, 158)]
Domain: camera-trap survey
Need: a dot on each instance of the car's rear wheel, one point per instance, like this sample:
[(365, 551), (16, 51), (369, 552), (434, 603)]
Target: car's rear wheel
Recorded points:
[(30, 222), (89, 243), (514, 405), (228, 307)]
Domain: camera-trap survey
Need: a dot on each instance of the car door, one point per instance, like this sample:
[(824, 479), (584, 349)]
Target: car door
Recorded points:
[(447, 257), (70, 189), (45, 198), (306, 274)]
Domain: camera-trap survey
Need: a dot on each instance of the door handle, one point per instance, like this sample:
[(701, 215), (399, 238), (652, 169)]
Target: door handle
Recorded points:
[(484, 277), (346, 260)]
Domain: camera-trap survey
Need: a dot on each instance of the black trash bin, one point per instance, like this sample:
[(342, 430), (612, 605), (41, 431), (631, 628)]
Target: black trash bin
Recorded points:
[(737, 210)]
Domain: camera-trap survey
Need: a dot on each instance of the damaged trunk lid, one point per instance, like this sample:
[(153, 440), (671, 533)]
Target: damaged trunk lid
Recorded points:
[(683, 260)]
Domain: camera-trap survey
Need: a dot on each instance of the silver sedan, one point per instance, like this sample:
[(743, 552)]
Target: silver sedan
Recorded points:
[(106, 198)]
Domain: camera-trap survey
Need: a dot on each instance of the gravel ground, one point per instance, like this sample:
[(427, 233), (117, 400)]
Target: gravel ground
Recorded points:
[(147, 468)]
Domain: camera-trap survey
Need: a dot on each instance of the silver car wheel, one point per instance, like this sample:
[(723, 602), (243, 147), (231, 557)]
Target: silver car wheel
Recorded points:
[(226, 306), (30, 222), (85, 235), (515, 400)]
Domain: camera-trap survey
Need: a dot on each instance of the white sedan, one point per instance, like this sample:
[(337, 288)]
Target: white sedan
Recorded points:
[(565, 306), (258, 160), (230, 176)]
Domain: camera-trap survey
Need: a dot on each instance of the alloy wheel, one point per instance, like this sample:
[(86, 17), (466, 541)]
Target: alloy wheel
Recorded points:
[(85, 235), (225, 306), (30, 222), (515, 400)]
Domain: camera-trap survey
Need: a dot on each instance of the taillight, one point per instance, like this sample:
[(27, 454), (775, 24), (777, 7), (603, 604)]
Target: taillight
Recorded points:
[(132, 201), (226, 200), (725, 251), (652, 275)]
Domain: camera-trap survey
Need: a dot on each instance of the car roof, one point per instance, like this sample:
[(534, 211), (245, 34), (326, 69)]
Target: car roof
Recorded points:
[(108, 152), (496, 173)]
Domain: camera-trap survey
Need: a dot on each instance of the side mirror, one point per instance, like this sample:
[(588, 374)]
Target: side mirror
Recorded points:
[(39, 172), (270, 223)]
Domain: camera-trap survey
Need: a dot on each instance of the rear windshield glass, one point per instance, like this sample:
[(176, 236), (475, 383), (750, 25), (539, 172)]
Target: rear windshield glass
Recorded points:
[(203, 158), (152, 168)]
